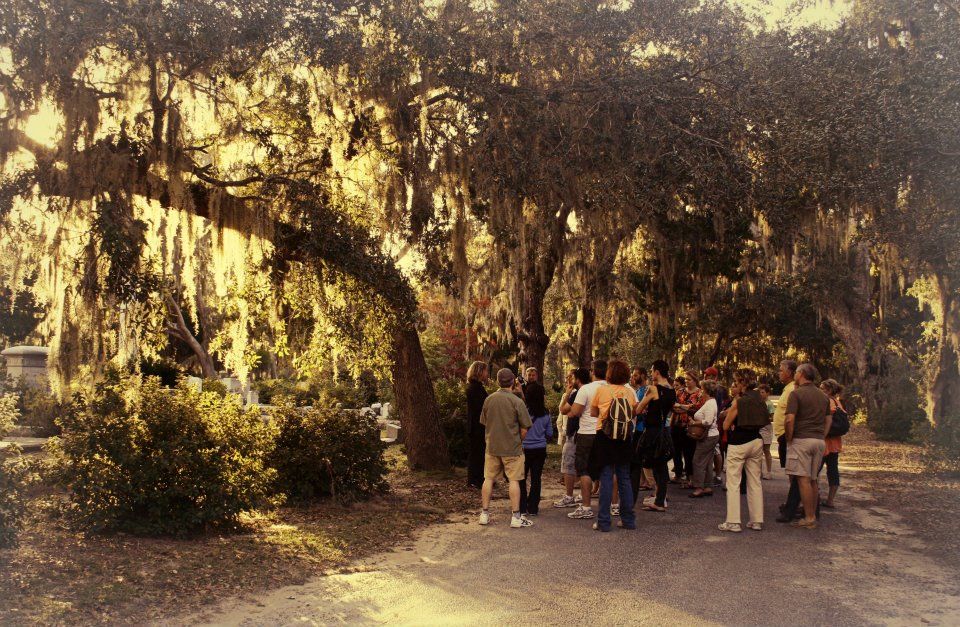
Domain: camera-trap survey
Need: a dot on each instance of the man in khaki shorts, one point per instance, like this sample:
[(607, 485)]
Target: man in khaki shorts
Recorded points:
[(807, 423), (506, 420)]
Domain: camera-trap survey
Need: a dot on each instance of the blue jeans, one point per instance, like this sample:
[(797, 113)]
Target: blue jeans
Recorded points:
[(627, 515)]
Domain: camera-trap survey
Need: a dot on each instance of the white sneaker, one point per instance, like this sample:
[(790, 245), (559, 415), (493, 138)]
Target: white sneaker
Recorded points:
[(566, 501), (614, 510), (581, 512), (518, 523), (484, 518)]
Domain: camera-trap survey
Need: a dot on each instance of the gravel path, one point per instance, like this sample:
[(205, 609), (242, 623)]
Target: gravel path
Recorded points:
[(865, 565)]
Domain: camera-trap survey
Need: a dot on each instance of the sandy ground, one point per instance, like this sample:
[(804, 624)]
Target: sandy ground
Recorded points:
[(865, 565)]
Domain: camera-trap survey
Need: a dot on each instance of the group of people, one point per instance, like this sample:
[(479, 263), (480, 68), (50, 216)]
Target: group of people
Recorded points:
[(621, 429)]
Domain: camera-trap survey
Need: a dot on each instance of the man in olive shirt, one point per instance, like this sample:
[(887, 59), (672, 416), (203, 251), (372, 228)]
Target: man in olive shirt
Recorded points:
[(807, 423), (506, 420), (788, 370)]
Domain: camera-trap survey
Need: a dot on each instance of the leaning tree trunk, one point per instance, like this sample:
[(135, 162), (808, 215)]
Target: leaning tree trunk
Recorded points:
[(417, 404)]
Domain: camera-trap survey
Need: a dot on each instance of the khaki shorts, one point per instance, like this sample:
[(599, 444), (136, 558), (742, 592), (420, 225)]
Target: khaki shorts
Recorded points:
[(511, 467), (568, 459), (804, 457), (766, 434)]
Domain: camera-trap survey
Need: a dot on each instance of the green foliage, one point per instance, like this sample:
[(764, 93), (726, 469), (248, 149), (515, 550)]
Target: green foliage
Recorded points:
[(139, 458), (13, 477), (452, 400), (40, 410), (943, 444), (901, 408), (327, 452), (214, 386), (281, 391), (167, 370)]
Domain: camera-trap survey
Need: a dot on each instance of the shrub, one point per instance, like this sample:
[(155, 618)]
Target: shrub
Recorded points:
[(143, 459), (327, 452), (13, 477), (452, 400), (943, 444), (40, 410)]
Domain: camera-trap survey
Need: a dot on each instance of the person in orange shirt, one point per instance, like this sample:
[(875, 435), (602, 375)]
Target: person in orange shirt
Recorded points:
[(615, 405)]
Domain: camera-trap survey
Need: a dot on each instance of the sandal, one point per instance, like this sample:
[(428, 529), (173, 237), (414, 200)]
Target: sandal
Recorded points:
[(733, 527), (696, 495), (654, 508), (827, 505)]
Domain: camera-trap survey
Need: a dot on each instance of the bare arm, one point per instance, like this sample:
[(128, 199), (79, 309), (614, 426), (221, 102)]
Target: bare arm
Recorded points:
[(576, 410), (829, 422), (788, 426), (564, 405), (651, 395), (731, 415)]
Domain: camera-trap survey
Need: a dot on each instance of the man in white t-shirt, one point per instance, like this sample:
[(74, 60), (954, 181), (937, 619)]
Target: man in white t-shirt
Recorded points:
[(585, 436)]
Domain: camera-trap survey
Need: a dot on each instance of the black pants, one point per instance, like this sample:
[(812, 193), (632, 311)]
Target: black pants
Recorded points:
[(475, 458), (683, 448), (832, 462), (661, 475), (533, 459)]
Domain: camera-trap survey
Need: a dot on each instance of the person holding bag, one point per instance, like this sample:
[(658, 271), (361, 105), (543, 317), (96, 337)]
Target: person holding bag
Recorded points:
[(704, 431), (615, 405), (656, 444)]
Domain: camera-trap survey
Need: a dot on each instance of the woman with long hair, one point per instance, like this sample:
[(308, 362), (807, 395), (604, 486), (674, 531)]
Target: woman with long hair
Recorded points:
[(834, 444), (658, 403), (706, 419), (477, 375)]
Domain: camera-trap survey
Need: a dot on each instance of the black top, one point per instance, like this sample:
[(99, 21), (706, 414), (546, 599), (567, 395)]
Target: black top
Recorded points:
[(741, 435), (533, 394), (573, 423), (476, 394), (659, 411)]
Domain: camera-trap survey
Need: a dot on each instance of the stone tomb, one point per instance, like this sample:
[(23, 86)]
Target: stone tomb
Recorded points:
[(27, 364)]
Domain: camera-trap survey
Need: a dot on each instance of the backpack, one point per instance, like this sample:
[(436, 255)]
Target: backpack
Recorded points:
[(752, 411), (619, 422), (841, 423)]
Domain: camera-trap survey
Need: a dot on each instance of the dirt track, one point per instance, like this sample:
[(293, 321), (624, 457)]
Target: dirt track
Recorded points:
[(865, 565)]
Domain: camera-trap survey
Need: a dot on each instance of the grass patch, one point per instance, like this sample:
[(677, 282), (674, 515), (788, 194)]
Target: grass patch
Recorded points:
[(61, 576)]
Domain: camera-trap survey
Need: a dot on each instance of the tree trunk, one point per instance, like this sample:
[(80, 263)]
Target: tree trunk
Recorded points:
[(588, 319), (850, 315), (179, 329), (417, 404), (944, 392)]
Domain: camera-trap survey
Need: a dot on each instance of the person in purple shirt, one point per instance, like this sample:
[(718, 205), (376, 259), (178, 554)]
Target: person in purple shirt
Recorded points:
[(535, 443)]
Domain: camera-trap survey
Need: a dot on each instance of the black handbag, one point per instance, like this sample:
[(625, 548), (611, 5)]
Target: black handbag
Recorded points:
[(655, 445)]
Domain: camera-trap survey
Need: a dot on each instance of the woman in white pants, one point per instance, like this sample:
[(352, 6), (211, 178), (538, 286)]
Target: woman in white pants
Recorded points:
[(746, 416)]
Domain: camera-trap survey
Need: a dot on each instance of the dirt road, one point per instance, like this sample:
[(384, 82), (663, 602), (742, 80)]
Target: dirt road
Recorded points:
[(865, 565)]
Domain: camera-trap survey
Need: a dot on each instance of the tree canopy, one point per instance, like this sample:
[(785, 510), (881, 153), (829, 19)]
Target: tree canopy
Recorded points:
[(275, 188)]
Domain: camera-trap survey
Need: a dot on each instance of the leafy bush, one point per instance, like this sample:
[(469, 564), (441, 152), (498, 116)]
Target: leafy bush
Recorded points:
[(452, 400), (167, 370), (139, 458), (943, 444), (214, 386), (12, 477), (40, 410), (327, 452), (902, 407)]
